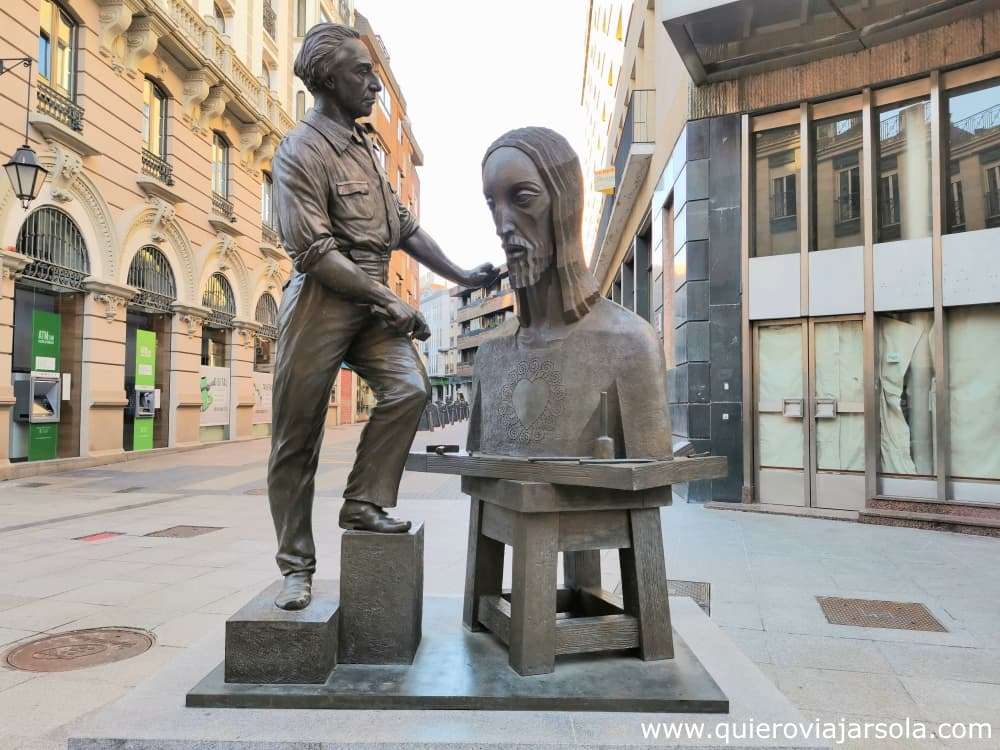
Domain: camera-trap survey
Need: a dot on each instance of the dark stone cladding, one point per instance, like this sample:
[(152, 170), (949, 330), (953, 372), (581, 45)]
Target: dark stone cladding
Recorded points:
[(706, 382)]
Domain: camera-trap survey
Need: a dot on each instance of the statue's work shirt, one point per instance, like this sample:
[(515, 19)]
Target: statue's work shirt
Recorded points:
[(545, 400), (330, 193)]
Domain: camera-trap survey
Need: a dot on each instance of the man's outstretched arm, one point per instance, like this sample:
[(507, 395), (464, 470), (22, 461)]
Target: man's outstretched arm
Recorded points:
[(425, 250)]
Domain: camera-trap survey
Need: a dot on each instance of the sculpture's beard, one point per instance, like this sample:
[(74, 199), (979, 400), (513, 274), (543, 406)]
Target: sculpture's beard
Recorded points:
[(526, 268)]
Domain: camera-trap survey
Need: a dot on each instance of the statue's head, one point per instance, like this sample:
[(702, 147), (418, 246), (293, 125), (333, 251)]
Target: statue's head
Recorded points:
[(335, 63), (534, 189)]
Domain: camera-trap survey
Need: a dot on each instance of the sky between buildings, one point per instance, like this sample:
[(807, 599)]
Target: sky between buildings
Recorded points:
[(471, 70)]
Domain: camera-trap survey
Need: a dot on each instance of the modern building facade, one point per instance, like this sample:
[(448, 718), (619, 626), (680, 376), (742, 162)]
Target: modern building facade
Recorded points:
[(816, 231), (480, 313)]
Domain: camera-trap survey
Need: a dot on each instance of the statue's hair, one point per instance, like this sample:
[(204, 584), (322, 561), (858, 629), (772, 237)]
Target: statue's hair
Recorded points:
[(559, 166), (314, 63)]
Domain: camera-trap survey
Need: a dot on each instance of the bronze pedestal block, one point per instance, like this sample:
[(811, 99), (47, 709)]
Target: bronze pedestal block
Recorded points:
[(268, 646), (381, 625)]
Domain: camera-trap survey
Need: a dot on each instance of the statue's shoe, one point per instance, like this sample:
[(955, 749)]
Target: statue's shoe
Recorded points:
[(296, 593), (361, 516)]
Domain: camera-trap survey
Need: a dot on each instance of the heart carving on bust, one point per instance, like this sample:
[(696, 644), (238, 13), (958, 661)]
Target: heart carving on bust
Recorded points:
[(530, 399)]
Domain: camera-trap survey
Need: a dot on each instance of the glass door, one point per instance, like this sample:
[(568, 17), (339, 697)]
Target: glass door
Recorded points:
[(838, 418), (782, 455), (810, 450)]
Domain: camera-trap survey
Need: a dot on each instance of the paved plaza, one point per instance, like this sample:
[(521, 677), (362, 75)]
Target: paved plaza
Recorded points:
[(765, 573)]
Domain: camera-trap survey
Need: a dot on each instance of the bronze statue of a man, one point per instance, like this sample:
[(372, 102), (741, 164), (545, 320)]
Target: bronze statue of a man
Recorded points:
[(339, 219), (538, 385)]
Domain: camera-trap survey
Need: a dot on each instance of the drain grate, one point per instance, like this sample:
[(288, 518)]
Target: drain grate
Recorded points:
[(79, 649), (256, 491), (184, 532), (700, 591), (130, 489), (876, 613), (100, 536), (34, 485)]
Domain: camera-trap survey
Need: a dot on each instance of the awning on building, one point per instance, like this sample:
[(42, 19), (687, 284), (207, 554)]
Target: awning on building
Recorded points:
[(722, 39)]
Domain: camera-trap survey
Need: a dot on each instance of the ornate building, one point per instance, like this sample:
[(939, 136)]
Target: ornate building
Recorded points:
[(140, 289)]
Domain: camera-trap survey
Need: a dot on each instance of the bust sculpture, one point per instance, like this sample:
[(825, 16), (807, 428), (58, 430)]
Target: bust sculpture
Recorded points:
[(538, 384)]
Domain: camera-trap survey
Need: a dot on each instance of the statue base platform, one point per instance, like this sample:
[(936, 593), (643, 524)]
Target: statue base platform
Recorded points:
[(456, 669), (152, 716)]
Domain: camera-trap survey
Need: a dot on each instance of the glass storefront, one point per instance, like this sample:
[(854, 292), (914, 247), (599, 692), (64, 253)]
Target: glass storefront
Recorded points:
[(837, 191), (903, 171), (777, 171), (972, 199)]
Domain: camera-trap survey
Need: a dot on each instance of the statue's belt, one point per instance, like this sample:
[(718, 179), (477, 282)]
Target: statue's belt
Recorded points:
[(372, 262)]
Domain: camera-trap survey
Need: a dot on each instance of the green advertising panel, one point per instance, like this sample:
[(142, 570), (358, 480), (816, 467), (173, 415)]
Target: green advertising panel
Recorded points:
[(45, 330), (145, 358), (145, 376), (43, 439)]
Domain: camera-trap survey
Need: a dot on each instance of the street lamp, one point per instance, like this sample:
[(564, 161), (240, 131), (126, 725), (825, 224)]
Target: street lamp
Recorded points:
[(25, 173)]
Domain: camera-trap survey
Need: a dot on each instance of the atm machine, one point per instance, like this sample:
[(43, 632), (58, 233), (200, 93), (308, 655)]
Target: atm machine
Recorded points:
[(38, 392), (140, 385)]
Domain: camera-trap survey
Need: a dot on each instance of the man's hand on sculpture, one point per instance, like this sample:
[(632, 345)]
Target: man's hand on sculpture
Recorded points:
[(481, 276), (406, 320)]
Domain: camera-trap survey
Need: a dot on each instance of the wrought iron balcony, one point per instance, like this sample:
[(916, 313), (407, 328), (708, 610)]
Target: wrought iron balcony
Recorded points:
[(270, 19), (848, 207), (993, 205), (59, 107), (222, 207), (158, 167), (783, 205), (268, 235)]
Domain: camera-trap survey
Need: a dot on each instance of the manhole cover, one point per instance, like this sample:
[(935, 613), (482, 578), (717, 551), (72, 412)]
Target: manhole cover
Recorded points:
[(183, 532), (700, 591), (34, 484), (256, 491), (875, 613), (79, 649), (130, 489)]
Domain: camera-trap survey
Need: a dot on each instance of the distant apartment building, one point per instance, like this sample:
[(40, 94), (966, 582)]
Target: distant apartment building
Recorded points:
[(438, 307), (806, 207), (607, 21), (480, 313)]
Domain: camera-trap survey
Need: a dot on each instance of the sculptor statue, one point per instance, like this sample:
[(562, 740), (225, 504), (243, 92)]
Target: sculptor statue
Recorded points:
[(537, 385), (339, 218)]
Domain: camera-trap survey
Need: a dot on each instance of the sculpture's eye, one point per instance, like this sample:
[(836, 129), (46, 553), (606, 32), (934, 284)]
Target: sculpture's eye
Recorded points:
[(524, 197)]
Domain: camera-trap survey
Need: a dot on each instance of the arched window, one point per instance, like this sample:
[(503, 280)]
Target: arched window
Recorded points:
[(154, 118), (53, 240), (220, 18), (151, 274), (57, 49), (220, 166), (267, 314), (219, 298)]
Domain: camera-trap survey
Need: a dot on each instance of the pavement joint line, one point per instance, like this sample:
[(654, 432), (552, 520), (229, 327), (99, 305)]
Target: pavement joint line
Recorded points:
[(102, 512)]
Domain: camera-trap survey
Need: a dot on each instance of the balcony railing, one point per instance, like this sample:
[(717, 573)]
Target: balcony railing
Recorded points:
[(638, 128), (782, 204), (268, 235), (222, 207), (888, 215), (59, 107), (848, 207), (158, 167), (270, 19), (993, 204)]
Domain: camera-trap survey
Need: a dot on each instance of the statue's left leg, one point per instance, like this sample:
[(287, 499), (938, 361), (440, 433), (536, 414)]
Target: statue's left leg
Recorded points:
[(392, 367)]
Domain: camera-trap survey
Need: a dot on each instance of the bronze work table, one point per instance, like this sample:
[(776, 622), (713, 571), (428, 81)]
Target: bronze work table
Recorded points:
[(541, 508)]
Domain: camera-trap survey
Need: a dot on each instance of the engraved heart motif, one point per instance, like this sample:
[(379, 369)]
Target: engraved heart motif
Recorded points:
[(530, 399)]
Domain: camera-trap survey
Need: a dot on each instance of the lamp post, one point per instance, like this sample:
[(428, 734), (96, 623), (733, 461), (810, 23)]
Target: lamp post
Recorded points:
[(25, 173)]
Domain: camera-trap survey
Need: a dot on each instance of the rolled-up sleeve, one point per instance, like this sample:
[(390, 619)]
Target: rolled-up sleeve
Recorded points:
[(408, 223), (301, 193)]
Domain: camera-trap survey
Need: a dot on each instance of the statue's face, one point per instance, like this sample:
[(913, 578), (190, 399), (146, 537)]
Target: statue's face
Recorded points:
[(353, 82), (522, 212)]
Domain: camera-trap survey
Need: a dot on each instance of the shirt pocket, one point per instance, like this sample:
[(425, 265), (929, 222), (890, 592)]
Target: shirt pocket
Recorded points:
[(354, 200)]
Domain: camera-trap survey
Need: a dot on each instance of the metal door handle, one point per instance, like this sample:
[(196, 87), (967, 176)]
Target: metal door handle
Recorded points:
[(825, 408), (792, 408)]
